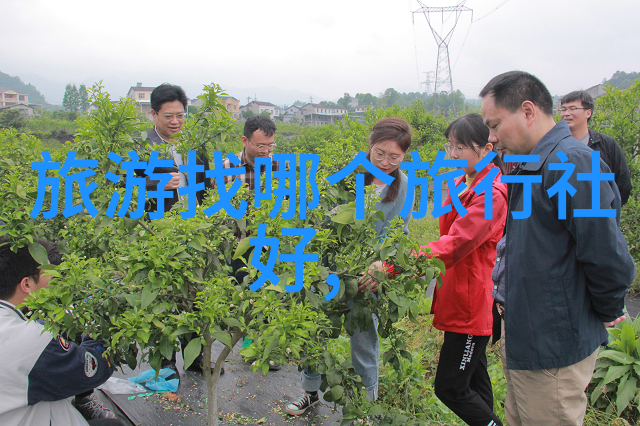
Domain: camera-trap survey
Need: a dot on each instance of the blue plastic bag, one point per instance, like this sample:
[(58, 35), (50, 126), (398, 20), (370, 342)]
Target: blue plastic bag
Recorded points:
[(149, 380)]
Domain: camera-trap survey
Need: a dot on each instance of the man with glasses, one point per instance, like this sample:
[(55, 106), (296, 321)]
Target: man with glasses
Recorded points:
[(576, 110), (564, 279), (257, 141), (168, 105)]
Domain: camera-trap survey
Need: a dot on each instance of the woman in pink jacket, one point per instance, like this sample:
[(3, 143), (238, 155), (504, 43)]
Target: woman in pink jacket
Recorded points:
[(462, 306)]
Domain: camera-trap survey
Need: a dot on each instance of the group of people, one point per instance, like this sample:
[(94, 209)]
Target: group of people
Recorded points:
[(547, 286)]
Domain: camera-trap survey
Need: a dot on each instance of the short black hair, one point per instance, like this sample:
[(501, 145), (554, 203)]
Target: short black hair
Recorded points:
[(470, 130), (261, 122), (167, 93), (14, 266), (579, 95), (512, 88)]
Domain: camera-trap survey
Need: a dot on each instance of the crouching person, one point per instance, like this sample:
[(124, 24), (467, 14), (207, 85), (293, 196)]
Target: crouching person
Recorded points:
[(39, 372)]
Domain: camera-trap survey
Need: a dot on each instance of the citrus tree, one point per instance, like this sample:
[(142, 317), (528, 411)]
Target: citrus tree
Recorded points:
[(142, 285)]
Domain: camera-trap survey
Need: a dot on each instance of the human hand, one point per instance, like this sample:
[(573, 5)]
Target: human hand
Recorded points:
[(174, 183), (614, 322), (369, 280)]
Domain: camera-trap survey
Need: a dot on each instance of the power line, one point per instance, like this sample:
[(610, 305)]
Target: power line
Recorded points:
[(496, 8), (415, 46)]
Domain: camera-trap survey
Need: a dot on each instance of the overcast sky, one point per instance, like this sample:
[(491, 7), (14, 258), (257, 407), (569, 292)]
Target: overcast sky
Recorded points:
[(288, 50)]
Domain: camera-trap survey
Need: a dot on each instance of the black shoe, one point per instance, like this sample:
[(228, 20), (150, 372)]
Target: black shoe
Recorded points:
[(171, 365), (196, 366), (300, 406), (273, 366)]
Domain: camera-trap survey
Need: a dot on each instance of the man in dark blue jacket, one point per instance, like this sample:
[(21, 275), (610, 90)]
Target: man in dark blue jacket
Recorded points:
[(566, 278)]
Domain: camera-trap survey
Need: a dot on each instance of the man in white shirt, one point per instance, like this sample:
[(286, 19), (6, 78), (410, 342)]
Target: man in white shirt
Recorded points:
[(39, 372)]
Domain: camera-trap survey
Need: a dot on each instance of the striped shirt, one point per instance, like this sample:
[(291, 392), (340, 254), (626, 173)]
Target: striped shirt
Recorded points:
[(249, 176)]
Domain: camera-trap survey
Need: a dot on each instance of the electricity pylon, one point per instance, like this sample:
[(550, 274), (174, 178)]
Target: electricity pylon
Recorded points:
[(427, 82), (443, 81)]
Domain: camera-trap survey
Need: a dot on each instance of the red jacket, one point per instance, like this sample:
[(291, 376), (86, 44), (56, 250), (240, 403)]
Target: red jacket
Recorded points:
[(467, 247)]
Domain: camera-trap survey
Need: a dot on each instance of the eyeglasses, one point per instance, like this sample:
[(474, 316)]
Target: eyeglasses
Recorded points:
[(179, 116), (571, 108), (261, 146), (457, 149), (380, 156)]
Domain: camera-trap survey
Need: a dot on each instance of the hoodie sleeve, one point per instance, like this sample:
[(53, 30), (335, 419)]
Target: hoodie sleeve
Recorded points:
[(65, 369)]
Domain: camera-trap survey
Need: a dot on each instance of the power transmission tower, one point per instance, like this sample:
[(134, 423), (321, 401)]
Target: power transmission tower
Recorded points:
[(427, 82), (443, 81)]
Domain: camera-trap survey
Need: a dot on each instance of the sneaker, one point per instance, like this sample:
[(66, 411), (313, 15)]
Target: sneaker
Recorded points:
[(91, 408), (299, 407)]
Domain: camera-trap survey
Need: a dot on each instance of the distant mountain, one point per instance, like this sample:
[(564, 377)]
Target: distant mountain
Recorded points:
[(623, 80), (35, 97)]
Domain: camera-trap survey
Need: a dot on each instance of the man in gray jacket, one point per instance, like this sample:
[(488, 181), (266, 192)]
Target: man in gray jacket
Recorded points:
[(566, 272)]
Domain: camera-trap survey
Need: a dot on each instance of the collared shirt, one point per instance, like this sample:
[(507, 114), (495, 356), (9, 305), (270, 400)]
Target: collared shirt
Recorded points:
[(177, 158), (248, 177)]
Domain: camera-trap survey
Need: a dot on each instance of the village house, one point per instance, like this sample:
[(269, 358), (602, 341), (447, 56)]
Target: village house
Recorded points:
[(258, 107), (320, 115), (10, 99)]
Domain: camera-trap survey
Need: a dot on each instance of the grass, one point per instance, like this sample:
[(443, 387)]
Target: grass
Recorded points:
[(635, 285), (425, 230)]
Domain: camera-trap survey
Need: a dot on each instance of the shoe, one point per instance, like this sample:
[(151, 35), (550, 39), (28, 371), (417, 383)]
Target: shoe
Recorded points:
[(299, 407), (196, 366), (273, 366), (171, 365), (91, 408)]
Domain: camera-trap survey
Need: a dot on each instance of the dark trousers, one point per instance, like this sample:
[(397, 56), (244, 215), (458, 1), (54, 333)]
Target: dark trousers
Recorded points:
[(462, 380)]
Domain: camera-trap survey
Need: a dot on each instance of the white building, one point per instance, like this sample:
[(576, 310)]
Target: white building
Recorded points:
[(320, 115)]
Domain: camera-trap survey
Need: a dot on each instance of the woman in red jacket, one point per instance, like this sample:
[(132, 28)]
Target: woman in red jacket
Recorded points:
[(462, 305)]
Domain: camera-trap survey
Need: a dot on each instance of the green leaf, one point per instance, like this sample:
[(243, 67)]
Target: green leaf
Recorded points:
[(334, 394), (628, 338), (626, 392), (376, 410), (166, 348), (617, 356), (328, 359), (400, 419), (38, 252), (21, 192), (384, 252), (346, 216), (148, 295), (243, 246), (615, 372), (223, 338), (333, 377), (192, 351), (132, 299), (130, 223), (439, 264), (232, 322)]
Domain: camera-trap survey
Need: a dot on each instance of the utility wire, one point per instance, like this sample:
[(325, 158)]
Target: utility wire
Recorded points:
[(496, 8), (415, 45)]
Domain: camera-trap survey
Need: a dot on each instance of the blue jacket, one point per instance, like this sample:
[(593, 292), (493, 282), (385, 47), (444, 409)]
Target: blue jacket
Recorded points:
[(564, 278)]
